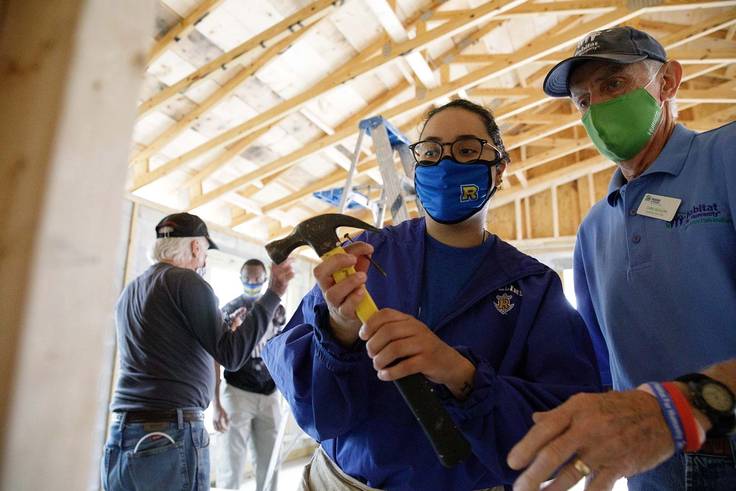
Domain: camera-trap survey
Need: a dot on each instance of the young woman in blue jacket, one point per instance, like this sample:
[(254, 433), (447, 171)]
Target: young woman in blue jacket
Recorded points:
[(487, 324)]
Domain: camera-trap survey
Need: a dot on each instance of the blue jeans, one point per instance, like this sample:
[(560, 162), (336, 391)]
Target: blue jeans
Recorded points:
[(689, 472), (157, 457)]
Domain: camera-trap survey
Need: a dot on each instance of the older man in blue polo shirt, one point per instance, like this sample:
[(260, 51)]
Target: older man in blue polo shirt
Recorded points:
[(655, 279)]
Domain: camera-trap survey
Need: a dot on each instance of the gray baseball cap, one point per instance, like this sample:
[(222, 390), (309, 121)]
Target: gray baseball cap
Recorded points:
[(619, 45)]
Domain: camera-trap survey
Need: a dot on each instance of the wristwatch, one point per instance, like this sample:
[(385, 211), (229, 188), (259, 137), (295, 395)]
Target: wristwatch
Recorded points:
[(715, 400)]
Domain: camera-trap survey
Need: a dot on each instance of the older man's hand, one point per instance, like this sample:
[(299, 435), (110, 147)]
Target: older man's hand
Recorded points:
[(616, 434), (281, 275)]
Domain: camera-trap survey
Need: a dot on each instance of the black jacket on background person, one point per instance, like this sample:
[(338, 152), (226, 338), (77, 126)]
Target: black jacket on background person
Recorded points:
[(254, 376)]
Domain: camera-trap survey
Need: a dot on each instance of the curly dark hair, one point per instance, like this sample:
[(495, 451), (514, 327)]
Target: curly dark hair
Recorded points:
[(485, 114), (252, 262)]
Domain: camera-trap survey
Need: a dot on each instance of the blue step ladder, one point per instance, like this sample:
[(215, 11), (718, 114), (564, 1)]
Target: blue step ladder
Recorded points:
[(398, 187)]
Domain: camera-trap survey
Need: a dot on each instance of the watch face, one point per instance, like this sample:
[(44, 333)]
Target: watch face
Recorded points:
[(717, 398)]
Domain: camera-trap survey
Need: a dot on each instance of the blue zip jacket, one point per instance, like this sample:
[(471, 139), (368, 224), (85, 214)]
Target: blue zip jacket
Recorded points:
[(530, 358)]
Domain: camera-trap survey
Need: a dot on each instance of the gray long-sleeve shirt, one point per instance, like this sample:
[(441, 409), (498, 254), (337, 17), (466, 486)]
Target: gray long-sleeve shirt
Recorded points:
[(169, 328)]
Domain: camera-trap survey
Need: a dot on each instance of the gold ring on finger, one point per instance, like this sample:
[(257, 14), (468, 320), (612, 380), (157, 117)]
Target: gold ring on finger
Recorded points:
[(582, 467)]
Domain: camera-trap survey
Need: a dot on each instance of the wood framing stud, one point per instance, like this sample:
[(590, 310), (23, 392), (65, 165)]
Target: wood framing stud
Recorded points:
[(591, 189), (555, 213)]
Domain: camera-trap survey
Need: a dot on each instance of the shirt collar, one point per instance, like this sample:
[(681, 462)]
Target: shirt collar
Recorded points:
[(669, 161)]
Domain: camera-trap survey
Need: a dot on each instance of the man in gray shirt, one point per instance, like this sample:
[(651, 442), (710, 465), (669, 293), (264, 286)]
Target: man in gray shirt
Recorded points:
[(169, 330)]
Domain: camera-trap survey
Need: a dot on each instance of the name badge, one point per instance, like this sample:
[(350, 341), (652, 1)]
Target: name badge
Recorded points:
[(659, 207)]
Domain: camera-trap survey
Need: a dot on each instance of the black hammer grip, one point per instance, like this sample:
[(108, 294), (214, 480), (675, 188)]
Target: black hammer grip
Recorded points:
[(449, 444)]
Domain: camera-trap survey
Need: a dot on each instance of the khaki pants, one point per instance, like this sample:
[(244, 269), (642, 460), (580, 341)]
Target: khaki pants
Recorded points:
[(322, 474), (254, 422)]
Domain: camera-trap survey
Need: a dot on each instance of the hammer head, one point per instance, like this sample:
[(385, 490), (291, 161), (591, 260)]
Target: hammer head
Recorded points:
[(319, 232)]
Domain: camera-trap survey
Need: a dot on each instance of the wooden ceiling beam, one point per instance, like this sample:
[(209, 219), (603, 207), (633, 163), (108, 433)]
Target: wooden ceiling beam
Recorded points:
[(548, 156), (535, 50), (690, 33), (181, 29), (708, 96), (386, 16), (371, 51), (239, 146), (331, 180), (308, 14), (446, 58), (693, 32), (379, 102), (672, 43), (338, 176), (587, 7), (350, 70), (554, 178), (648, 24), (557, 8), (230, 152), (220, 94), (685, 56), (504, 92), (543, 131), (321, 143), (535, 119)]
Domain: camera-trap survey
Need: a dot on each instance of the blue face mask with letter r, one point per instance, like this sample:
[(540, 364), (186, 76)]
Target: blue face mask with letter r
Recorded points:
[(452, 192)]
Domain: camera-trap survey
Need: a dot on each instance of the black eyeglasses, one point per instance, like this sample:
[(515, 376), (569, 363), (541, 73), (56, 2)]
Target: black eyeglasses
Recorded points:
[(466, 150)]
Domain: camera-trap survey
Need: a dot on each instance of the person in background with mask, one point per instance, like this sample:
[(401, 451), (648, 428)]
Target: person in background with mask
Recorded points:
[(488, 326), (169, 329), (246, 408), (655, 279)]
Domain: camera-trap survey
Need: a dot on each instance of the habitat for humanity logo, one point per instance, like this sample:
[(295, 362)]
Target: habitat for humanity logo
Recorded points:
[(702, 213)]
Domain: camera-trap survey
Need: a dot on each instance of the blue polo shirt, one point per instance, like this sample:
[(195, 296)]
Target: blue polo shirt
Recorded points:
[(662, 295)]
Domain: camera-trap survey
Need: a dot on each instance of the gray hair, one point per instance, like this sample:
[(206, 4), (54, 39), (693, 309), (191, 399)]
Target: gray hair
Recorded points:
[(174, 249)]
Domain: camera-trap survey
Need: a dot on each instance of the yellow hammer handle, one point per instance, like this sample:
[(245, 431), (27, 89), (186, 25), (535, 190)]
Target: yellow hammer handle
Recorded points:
[(367, 307)]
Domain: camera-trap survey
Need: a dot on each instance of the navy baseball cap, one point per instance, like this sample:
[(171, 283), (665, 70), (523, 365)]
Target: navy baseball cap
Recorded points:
[(184, 225), (619, 45)]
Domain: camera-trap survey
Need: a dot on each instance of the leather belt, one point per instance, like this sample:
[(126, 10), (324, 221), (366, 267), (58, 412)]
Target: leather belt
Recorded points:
[(158, 416), (720, 447)]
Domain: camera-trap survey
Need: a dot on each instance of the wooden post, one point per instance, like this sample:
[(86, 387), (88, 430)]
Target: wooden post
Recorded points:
[(517, 219), (69, 77), (527, 217), (555, 213), (591, 189)]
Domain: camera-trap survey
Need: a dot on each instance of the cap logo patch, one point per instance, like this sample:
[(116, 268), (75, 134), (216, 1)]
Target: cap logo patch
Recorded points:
[(588, 43)]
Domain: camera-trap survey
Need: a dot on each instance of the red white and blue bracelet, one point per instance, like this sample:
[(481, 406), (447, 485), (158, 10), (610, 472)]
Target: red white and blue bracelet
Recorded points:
[(685, 429)]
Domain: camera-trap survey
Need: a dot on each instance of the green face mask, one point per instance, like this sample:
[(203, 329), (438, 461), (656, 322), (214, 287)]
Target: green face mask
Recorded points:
[(620, 128)]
